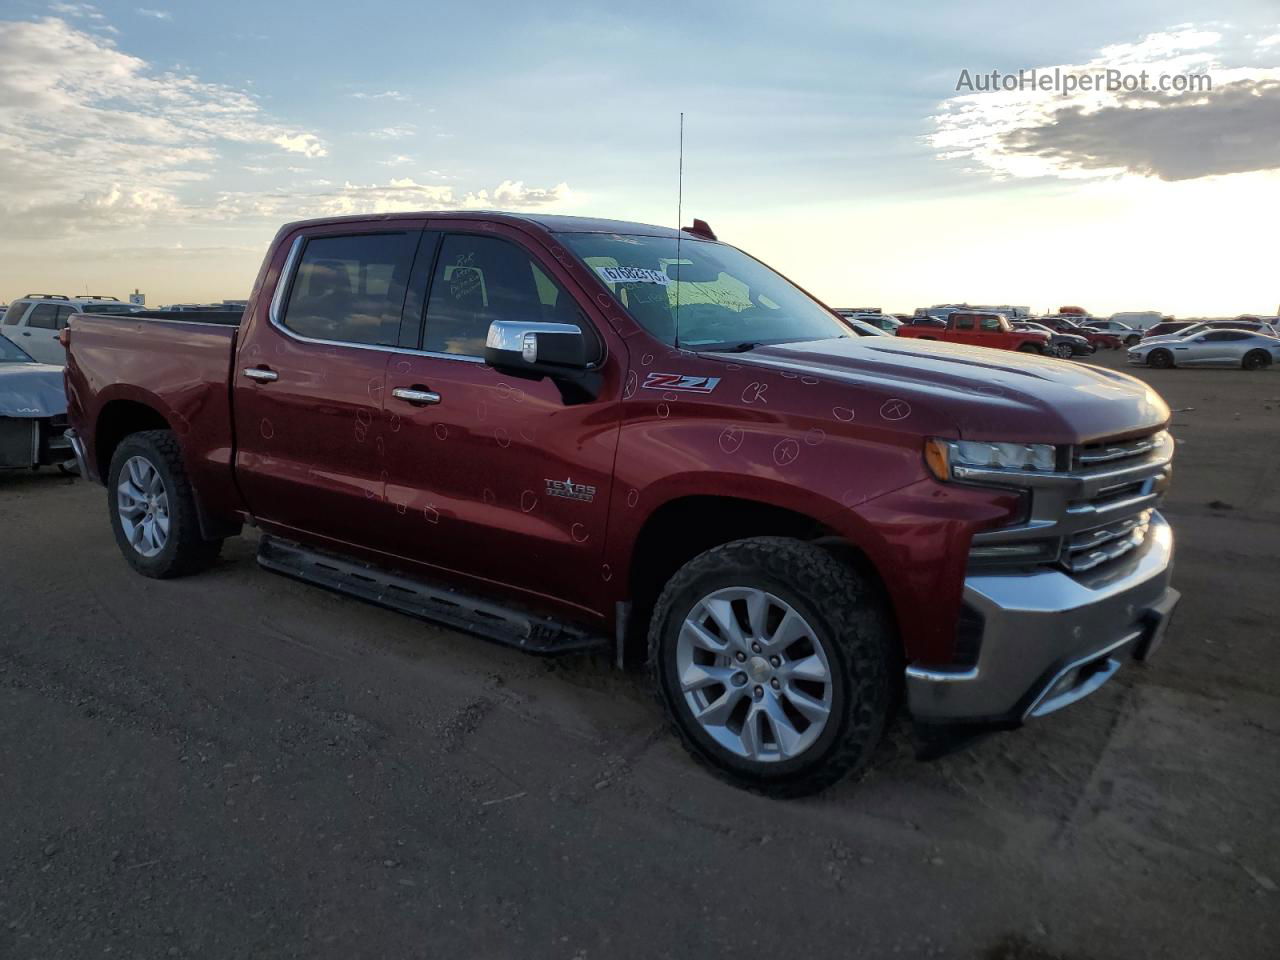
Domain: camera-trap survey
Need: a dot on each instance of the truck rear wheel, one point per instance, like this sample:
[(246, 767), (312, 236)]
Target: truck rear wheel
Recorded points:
[(772, 659), (153, 509)]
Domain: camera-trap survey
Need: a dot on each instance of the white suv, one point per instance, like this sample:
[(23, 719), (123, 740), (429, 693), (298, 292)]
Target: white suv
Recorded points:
[(33, 321)]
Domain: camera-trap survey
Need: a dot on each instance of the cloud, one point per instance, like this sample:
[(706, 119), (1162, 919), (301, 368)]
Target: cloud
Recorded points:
[(1234, 129), (384, 95), (393, 133), (399, 194), (86, 11), (91, 137), (95, 141), (157, 14), (1229, 124)]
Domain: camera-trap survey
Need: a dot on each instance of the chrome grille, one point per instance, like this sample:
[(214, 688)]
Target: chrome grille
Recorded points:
[(1098, 509), (1111, 452), (1123, 509), (1091, 548)]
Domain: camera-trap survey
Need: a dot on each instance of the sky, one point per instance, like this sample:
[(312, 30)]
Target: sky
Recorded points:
[(850, 145)]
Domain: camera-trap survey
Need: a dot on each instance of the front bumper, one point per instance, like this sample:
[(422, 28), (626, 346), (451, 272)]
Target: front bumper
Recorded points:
[(1050, 638)]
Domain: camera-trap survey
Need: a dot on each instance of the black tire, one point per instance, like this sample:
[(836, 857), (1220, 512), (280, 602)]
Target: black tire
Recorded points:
[(1256, 360), (1160, 359), (847, 617), (185, 551), (1030, 348), (1064, 351)]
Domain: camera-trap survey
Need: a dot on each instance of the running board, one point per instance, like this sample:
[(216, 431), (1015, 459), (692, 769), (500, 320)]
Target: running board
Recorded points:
[(440, 604)]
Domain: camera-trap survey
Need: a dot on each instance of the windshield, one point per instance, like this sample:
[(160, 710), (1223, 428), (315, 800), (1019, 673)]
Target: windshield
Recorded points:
[(725, 299), (10, 352)]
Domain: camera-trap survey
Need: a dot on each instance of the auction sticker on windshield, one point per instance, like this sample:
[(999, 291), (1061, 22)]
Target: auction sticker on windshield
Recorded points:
[(633, 275)]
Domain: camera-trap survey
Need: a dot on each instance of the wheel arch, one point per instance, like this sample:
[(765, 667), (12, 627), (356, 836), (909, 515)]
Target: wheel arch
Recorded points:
[(685, 526), (127, 413), (117, 419)]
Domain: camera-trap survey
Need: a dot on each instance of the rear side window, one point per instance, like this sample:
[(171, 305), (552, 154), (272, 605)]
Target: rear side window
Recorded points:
[(43, 317), (481, 279), (64, 314), (351, 289), (15, 312), (961, 323)]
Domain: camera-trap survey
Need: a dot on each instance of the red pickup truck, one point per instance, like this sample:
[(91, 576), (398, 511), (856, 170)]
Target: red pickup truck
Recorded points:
[(980, 330), (563, 433)]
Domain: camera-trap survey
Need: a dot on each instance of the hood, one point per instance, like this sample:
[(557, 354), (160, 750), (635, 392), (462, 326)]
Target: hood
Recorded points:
[(983, 394), (31, 390)]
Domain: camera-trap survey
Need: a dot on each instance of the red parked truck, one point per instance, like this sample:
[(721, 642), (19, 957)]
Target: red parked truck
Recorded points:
[(562, 432), (981, 330)]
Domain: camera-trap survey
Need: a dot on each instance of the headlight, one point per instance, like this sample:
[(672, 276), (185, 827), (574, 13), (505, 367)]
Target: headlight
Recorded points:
[(976, 459)]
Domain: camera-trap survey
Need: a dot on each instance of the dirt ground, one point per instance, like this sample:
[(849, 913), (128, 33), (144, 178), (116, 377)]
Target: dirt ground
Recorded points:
[(240, 765)]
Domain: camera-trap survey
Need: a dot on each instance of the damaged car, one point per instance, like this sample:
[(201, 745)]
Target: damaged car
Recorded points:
[(33, 413)]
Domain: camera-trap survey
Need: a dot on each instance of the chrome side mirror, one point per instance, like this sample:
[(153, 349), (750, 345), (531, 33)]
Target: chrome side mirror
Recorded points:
[(535, 347)]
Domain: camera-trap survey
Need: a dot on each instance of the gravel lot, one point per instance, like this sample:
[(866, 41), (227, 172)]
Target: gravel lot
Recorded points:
[(240, 765)]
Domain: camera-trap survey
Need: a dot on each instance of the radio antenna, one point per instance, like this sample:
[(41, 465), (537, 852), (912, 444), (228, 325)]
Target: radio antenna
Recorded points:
[(679, 226)]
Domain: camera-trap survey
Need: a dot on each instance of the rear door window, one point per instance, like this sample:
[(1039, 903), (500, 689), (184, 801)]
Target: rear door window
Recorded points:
[(351, 289), (64, 314), (15, 312), (44, 316)]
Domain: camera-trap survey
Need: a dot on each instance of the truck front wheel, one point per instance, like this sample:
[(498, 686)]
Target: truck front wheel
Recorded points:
[(1030, 348), (772, 659), (153, 509)]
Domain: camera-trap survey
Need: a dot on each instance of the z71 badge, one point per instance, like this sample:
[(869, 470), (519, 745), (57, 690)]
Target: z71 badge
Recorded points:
[(676, 381)]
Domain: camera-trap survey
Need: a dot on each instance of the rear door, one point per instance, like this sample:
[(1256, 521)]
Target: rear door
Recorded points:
[(500, 480), (38, 333), (312, 436)]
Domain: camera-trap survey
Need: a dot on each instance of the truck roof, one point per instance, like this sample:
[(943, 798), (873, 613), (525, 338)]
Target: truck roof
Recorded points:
[(552, 223)]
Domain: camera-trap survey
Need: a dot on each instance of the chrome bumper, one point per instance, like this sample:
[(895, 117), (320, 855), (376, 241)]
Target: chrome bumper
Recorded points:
[(1050, 638), (77, 447)]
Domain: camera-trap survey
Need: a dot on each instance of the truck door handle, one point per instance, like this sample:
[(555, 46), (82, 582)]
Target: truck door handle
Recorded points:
[(418, 395), (261, 374)]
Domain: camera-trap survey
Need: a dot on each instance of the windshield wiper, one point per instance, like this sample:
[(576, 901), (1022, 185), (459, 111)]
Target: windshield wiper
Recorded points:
[(742, 347)]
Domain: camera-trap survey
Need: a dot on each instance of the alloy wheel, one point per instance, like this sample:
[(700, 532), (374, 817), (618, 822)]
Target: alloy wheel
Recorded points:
[(754, 674), (143, 505)]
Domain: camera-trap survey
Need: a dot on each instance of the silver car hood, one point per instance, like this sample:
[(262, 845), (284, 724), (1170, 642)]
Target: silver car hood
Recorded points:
[(31, 390)]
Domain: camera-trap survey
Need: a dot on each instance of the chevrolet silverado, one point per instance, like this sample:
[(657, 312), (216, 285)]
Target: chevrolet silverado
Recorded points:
[(564, 433)]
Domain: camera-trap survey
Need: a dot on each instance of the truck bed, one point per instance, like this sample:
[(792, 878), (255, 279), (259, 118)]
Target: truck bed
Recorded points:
[(229, 318), (178, 367)]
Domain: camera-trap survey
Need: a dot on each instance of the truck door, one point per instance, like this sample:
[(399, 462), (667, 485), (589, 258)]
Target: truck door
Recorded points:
[(495, 478), (308, 382), (993, 332), (963, 330), (38, 335)]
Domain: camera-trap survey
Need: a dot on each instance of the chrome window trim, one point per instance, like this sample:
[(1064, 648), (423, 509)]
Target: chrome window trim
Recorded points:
[(285, 282)]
